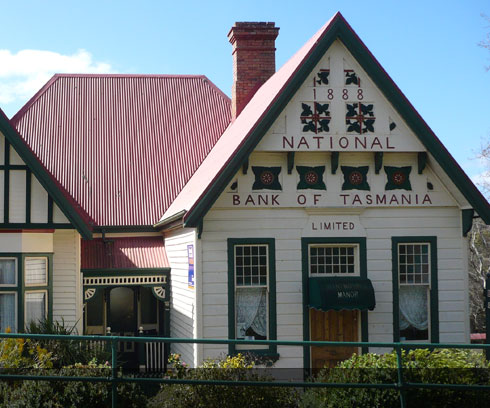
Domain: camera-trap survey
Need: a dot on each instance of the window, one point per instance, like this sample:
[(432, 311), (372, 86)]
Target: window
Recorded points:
[(8, 294), (251, 291), (333, 260), (36, 289), (24, 289), (251, 287), (415, 294), (8, 311)]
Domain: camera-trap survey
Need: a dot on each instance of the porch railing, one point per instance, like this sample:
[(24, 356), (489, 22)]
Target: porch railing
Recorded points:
[(401, 385)]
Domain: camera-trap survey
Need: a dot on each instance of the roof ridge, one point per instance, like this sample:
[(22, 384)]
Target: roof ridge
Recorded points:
[(215, 87), (15, 119), (119, 75)]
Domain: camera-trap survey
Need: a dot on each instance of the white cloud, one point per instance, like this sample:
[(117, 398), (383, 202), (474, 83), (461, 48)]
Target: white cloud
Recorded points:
[(24, 73)]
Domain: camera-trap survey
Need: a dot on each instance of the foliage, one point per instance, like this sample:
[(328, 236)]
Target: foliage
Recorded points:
[(23, 353), (479, 244), (70, 394), (442, 366), (49, 357), (66, 352), (237, 368), (486, 42)]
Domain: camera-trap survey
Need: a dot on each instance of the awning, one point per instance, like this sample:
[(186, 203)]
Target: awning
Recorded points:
[(124, 253), (341, 294)]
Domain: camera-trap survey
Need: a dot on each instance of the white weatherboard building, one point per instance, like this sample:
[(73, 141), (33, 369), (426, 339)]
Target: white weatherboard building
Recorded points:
[(324, 209)]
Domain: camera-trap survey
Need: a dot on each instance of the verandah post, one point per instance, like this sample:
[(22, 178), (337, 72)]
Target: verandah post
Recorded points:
[(487, 314), (114, 372), (399, 363)]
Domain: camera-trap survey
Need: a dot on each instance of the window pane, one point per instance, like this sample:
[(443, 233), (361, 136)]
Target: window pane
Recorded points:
[(414, 312), (7, 272), (250, 265), (7, 312), (251, 313), (332, 260), (35, 304), (414, 268), (36, 271)]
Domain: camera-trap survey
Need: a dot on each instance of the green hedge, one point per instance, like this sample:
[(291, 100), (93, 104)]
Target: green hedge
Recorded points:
[(236, 368), (442, 366), (69, 394)]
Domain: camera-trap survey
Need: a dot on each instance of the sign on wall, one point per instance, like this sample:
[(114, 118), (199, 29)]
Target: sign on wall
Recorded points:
[(333, 226), (190, 274)]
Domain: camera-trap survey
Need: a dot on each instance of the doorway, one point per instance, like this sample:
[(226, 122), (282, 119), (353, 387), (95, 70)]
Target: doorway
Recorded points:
[(126, 311), (333, 325)]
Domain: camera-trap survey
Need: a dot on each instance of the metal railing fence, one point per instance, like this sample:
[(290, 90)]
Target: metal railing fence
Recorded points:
[(114, 379)]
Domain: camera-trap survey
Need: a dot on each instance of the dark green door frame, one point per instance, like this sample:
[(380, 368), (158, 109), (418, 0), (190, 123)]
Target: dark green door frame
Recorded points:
[(305, 242)]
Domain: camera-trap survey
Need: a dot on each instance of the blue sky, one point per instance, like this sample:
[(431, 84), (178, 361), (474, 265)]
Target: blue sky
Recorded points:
[(429, 48)]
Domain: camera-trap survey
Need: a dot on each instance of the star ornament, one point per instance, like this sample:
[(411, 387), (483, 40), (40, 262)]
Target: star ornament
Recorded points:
[(355, 178), (266, 178), (311, 178), (398, 178)]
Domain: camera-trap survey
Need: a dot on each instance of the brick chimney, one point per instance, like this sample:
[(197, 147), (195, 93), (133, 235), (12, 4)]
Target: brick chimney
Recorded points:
[(254, 60)]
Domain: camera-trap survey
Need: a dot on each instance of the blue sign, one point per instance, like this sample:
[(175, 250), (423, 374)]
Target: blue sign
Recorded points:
[(190, 275)]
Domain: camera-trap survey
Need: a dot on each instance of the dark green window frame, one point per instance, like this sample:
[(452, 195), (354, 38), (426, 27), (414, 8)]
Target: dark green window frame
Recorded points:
[(20, 289), (270, 242), (433, 291), (305, 244)]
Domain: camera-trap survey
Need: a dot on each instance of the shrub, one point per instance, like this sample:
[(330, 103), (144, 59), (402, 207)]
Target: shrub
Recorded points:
[(69, 394), (49, 357), (235, 368), (23, 353), (65, 352), (442, 366)]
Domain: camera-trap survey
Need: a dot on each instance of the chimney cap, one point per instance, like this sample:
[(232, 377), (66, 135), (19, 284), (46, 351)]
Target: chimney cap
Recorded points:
[(253, 28)]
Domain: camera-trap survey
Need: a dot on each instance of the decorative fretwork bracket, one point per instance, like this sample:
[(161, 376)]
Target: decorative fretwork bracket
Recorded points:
[(159, 292)]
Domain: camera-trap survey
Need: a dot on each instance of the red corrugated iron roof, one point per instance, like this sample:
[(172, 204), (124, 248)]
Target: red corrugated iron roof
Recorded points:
[(123, 146), (124, 253)]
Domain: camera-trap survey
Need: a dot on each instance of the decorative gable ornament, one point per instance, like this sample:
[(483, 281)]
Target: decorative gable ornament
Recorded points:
[(355, 178), (311, 178), (315, 117), (398, 178), (266, 178)]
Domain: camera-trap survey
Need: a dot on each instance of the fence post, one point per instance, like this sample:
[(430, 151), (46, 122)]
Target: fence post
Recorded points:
[(399, 362), (487, 314), (114, 372)]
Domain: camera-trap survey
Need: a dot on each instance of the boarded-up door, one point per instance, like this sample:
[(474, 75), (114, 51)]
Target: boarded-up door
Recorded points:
[(332, 326)]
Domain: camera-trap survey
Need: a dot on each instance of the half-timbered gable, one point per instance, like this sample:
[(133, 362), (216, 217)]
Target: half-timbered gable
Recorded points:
[(39, 241), (24, 203)]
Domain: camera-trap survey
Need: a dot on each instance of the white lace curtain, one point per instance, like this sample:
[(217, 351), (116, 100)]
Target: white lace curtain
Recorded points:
[(413, 307), (7, 272), (251, 306), (7, 312), (35, 304)]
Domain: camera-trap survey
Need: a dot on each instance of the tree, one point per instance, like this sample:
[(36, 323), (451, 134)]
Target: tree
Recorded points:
[(479, 242), (486, 42), (479, 238)]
